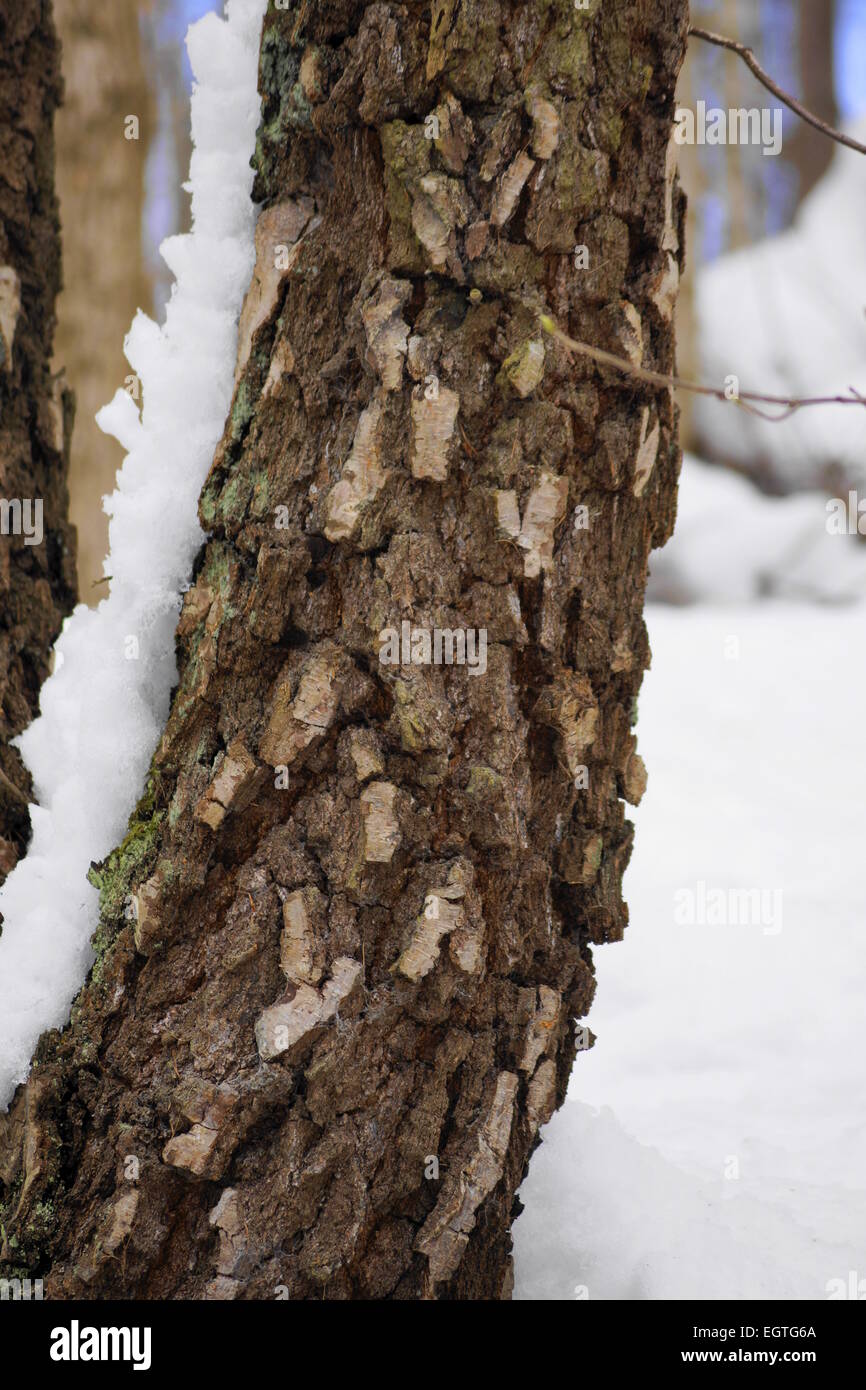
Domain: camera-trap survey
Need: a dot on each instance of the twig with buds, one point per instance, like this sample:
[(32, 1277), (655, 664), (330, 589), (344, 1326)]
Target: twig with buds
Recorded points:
[(764, 78), (744, 399)]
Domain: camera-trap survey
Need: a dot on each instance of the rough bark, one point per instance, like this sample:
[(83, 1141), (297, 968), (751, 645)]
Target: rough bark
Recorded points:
[(100, 184), (351, 927), (37, 576)]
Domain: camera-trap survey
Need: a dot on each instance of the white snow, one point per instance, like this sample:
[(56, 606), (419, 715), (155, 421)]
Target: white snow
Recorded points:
[(733, 543), (725, 1045), (788, 317), (104, 707)]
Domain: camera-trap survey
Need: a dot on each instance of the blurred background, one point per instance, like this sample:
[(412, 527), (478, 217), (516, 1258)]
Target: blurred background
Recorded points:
[(121, 192), (774, 294), (713, 1143)]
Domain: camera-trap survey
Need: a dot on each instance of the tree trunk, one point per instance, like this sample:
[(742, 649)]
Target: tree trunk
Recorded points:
[(344, 944), (37, 545), (100, 185), (809, 150)]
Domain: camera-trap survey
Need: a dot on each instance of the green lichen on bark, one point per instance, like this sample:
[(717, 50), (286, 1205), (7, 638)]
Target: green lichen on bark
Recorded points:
[(126, 865)]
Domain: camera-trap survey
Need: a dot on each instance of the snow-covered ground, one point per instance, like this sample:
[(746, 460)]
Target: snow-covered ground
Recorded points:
[(713, 1143), (733, 543)]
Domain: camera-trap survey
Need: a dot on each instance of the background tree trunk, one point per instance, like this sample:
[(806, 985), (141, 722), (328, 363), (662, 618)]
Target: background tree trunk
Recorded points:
[(364, 896), (37, 580), (100, 184), (809, 150), (167, 203)]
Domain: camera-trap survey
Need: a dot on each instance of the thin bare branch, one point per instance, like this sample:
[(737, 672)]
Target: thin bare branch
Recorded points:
[(754, 66), (743, 399)]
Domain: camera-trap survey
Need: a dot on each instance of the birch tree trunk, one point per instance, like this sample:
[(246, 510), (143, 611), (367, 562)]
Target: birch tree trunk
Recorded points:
[(37, 545), (346, 949)]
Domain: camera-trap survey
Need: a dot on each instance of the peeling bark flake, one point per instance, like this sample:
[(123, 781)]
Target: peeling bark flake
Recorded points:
[(279, 225), (387, 332), (647, 452), (10, 308), (304, 916), (510, 188), (295, 723), (539, 1035), (232, 786), (445, 1234), (283, 1026), (432, 430), (362, 478), (380, 828), (541, 1095), (544, 512)]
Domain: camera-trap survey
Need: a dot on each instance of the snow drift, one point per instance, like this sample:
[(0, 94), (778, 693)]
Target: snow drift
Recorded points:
[(734, 544)]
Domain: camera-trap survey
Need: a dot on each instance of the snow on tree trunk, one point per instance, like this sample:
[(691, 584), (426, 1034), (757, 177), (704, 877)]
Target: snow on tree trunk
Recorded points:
[(104, 706), (346, 947)]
